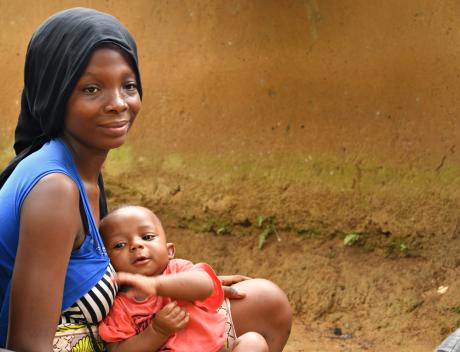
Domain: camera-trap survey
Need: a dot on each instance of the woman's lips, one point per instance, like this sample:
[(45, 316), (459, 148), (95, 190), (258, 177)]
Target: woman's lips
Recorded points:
[(116, 128)]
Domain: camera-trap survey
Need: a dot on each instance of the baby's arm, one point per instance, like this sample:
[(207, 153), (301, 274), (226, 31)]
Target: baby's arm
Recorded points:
[(187, 286), (170, 319)]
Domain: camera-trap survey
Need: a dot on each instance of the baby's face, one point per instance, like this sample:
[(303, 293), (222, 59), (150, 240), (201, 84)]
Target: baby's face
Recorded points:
[(136, 242)]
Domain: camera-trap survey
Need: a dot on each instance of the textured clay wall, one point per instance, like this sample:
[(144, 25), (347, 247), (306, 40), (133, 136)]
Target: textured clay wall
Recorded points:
[(334, 115)]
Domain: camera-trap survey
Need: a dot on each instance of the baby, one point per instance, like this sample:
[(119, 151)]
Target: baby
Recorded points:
[(177, 310)]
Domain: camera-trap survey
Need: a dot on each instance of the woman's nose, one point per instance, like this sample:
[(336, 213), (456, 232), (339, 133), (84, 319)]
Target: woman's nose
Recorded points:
[(116, 102)]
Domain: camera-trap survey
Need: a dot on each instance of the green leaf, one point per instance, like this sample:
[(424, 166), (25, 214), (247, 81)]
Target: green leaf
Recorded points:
[(260, 221), (264, 236), (351, 239)]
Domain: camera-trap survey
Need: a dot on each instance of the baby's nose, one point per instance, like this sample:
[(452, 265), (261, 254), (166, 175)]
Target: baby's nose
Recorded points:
[(135, 245)]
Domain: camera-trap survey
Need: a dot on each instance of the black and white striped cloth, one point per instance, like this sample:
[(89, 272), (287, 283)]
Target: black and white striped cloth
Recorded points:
[(94, 306)]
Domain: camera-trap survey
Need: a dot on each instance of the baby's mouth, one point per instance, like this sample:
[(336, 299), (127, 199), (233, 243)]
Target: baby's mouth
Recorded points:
[(141, 260)]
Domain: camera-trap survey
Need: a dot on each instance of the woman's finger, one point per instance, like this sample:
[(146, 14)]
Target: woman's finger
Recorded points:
[(228, 280), (232, 293)]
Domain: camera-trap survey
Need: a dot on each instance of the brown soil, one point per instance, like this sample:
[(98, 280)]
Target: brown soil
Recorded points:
[(381, 297)]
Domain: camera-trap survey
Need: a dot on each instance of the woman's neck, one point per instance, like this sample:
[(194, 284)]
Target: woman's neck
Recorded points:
[(88, 160)]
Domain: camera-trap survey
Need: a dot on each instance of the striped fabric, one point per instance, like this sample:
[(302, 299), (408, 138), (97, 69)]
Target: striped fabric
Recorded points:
[(95, 305)]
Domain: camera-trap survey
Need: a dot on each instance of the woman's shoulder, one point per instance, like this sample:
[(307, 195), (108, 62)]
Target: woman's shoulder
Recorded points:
[(52, 154), (53, 157), (57, 185), (51, 168)]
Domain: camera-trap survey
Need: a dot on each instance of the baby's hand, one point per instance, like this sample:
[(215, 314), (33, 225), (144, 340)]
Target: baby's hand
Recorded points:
[(170, 319), (139, 284)]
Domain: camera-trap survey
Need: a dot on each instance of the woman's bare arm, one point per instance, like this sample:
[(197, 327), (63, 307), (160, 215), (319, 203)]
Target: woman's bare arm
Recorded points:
[(50, 220)]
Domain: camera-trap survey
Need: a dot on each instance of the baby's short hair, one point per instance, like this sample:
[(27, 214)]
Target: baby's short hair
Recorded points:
[(128, 205)]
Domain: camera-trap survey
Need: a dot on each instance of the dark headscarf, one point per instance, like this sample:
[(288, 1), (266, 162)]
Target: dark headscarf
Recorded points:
[(56, 57)]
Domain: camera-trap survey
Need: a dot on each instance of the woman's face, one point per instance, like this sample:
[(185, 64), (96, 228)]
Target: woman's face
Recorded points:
[(104, 102)]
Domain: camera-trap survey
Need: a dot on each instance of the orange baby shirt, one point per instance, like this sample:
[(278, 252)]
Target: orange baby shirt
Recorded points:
[(205, 331)]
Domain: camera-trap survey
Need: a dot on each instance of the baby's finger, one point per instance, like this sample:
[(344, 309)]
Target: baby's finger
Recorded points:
[(180, 319), (142, 283), (125, 278), (167, 309), (177, 313), (184, 321)]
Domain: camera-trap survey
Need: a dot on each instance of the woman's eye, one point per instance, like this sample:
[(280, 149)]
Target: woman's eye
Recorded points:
[(119, 245), (91, 89), (131, 86)]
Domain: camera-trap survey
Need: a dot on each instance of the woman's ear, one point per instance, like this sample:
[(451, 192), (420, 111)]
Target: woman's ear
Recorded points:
[(171, 250)]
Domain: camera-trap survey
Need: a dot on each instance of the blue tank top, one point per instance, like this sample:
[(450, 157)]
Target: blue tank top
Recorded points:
[(87, 264)]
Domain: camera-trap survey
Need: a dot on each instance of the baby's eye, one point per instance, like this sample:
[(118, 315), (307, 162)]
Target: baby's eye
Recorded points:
[(91, 89), (148, 237), (119, 245)]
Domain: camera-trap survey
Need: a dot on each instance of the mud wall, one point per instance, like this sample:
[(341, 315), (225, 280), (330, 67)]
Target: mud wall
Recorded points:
[(328, 115)]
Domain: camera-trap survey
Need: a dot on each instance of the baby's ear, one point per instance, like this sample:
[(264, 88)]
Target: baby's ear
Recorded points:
[(171, 250)]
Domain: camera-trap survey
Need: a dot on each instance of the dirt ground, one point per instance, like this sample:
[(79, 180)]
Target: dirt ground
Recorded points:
[(378, 304), (359, 297)]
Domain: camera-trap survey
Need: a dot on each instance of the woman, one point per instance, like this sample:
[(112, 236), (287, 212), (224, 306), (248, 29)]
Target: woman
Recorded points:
[(82, 92)]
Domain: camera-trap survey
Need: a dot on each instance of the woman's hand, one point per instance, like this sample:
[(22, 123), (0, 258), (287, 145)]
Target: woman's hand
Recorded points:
[(227, 282), (170, 319)]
